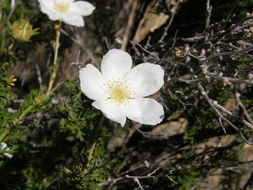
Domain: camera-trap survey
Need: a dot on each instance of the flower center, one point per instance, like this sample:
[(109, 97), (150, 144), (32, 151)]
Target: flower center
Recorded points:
[(62, 8), (119, 92)]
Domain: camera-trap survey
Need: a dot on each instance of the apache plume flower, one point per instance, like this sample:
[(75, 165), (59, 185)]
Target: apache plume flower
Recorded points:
[(119, 91), (69, 11)]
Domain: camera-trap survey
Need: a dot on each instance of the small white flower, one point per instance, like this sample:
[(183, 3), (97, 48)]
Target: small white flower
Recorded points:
[(4, 148), (68, 11), (119, 91)]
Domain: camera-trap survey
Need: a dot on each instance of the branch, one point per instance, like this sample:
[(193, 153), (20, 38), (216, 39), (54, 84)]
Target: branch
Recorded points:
[(126, 177), (210, 101)]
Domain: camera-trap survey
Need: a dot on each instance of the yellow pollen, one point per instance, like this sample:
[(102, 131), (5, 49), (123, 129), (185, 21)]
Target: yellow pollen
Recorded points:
[(119, 92), (62, 8)]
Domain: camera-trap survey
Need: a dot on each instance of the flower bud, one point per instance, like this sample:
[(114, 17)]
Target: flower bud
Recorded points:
[(57, 26), (22, 30)]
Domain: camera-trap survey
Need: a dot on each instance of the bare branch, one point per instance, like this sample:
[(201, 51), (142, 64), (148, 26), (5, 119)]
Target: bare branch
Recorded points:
[(126, 177)]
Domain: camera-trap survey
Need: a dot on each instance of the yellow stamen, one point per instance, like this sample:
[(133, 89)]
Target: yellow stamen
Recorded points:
[(62, 8), (119, 92)]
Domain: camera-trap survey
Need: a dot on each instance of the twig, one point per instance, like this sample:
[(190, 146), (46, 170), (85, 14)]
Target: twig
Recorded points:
[(221, 123), (245, 112), (217, 105), (209, 11), (138, 182), (232, 80), (210, 101), (229, 53), (130, 23), (113, 181), (172, 16), (147, 51), (192, 39)]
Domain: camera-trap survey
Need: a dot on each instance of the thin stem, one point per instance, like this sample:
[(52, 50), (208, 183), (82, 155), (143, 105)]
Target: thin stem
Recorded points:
[(55, 65)]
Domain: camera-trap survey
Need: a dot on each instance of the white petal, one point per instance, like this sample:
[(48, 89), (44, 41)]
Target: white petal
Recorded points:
[(115, 64), (145, 111), (147, 78), (111, 111), (74, 20), (92, 82), (66, 2), (47, 3), (82, 8), (53, 15), (8, 155)]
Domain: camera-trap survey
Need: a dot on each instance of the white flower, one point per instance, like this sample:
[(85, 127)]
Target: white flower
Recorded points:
[(119, 91), (69, 11), (4, 148)]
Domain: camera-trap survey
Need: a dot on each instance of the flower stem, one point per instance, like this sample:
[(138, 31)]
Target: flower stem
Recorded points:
[(55, 65)]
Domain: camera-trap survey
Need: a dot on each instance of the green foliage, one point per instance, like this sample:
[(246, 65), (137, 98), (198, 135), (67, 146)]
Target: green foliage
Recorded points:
[(244, 3), (191, 134), (180, 179), (36, 179), (203, 118), (34, 102), (6, 97), (77, 124), (95, 171), (6, 80), (247, 99), (186, 179), (78, 118)]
